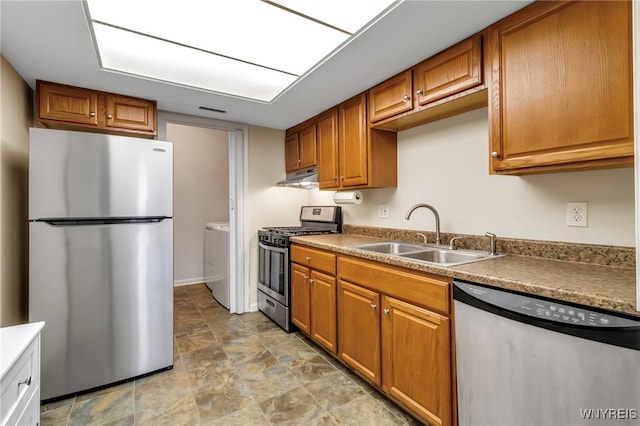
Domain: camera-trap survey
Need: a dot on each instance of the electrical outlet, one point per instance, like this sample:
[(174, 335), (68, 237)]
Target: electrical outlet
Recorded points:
[(383, 210), (577, 214)]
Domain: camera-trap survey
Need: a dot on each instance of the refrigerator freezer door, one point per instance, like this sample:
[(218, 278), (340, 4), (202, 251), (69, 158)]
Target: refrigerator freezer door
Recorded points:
[(89, 175), (106, 294)]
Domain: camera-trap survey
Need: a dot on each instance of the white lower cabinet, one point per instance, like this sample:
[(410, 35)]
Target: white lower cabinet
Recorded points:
[(20, 375)]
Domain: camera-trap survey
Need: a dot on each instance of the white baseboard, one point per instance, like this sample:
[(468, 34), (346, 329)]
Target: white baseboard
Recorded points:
[(188, 281), (253, 307)]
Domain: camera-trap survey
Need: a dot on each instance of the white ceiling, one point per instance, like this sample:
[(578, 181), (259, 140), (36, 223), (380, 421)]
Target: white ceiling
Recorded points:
[(50, 40)]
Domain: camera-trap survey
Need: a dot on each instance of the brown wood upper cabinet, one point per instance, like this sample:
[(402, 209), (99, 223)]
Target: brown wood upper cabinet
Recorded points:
[(409, 98), (68, 107), (561, 88), (328, 173), (391, 97), (300, 147), (351, 154), (452, 71)]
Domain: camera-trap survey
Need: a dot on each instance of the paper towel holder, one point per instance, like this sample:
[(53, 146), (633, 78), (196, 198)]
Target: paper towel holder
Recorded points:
[(347, 197)]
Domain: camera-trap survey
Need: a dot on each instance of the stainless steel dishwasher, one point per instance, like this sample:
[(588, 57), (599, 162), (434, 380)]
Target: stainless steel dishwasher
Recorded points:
[(524, 360)]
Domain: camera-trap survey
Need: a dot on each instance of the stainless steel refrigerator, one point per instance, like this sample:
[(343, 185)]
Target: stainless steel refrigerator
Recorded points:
[(100, 257)]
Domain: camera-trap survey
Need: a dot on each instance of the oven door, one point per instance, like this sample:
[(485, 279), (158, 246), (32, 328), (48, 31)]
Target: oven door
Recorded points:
[(273, 272)]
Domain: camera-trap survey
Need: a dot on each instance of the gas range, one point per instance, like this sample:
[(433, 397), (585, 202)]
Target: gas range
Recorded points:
[(291, 231), (314, 220), (274, 284)]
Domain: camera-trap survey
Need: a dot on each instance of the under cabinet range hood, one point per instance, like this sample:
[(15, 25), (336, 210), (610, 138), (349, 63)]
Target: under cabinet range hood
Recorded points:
[(306, 179)]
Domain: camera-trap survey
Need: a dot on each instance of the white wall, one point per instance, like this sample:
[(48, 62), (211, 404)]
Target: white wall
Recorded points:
[(267, 205), (446, 164), (200, 194)]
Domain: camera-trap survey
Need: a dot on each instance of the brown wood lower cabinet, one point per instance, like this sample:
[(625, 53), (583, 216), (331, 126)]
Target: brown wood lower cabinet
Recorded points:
[(323, 310), (300, 298), (416, 359), (394, 330), (359, 329), (313, 295), (393, 326)]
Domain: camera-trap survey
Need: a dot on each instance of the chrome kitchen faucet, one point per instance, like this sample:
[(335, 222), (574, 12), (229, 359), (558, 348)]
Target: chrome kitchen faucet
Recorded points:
[(435, 213)]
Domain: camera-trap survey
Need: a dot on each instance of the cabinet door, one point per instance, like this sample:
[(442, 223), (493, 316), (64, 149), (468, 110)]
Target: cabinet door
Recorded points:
[(292, 152), (328, 150), (561, 91), (69, 104), (359, 329), (123, 112), (300, 298), (323, 310), (391, 97), (308, 147), (352, 125), (416, 356), (454, 70)]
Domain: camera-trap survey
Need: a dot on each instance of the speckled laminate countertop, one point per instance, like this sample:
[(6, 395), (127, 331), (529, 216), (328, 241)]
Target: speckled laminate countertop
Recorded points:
[(591, 285)]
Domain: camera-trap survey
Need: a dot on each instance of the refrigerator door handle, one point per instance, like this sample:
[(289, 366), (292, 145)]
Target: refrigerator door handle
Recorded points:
[(94, 222)]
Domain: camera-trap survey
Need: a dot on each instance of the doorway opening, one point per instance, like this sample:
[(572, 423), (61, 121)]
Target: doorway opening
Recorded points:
[(237, 136)]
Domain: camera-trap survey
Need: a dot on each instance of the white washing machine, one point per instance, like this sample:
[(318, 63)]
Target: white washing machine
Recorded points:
[(216, 260)]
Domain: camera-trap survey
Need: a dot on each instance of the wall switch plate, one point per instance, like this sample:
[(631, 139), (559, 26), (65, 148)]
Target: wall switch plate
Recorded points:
[(577, 214), (383, 210)]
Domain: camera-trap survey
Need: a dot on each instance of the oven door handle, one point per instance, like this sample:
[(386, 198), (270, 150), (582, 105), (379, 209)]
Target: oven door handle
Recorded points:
[(272, 248)]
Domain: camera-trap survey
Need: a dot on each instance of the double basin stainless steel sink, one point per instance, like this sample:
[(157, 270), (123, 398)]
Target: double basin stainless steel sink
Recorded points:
[(435, 255)]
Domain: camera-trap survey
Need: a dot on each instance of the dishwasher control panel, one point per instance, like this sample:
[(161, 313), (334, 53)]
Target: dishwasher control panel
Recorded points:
[(544, 309)]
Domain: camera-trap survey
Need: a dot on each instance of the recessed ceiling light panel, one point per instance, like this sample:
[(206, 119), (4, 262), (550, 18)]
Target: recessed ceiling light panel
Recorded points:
[(160, 60), (248, 48)]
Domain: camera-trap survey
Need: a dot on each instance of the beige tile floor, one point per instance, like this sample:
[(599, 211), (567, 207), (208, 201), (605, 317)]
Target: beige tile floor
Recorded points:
[(233, 370)]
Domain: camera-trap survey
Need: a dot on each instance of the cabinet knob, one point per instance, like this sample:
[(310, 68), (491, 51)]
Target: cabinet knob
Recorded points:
[(373, 306), (109, 116), (335, 178), (494, 154), (312, 281), (406, 98), (419, 92), (92, 114), (308, 258), (341, 177), (386, 311), (26, 381), (306, 277)]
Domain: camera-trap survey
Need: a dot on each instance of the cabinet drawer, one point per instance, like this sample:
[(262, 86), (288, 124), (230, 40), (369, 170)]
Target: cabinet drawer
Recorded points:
[(15, 395), (422, 289), (315, 259), (29, 415)]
